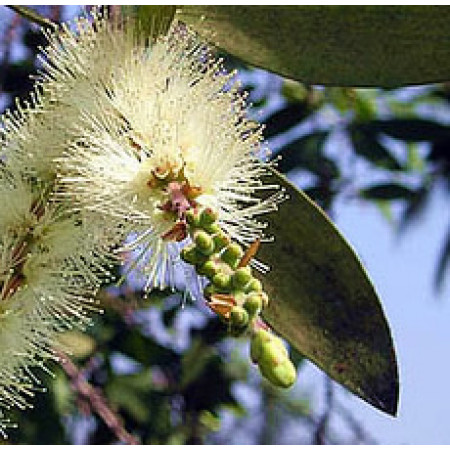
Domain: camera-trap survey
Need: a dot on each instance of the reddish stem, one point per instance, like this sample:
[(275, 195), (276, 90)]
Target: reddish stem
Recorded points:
[(96, 400)]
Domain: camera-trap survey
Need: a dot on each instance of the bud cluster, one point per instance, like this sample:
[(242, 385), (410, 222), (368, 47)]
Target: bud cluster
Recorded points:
[(234, 293)]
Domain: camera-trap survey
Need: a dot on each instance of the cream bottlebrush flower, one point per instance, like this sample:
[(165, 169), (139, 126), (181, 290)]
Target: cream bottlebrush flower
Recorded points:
[(172, 135), (51, 257), (46, 283), (73, 66)]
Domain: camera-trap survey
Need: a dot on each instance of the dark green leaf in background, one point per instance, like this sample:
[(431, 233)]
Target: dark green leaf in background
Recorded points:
[(285, 118), (415, 208), (333, 45), (408, 129), (388, 191), (366, 144), (306, 153), (324, 304)]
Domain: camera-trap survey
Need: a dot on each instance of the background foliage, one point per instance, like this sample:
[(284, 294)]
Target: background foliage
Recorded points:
[(171, 373)]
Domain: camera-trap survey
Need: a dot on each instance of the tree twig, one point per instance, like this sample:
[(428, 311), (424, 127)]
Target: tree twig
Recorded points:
[(361, 435), (95, 399), (321, 428), (33, 16)]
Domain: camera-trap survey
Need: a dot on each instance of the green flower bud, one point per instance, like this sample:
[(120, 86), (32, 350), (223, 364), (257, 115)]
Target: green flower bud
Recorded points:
[(282, 375), (193, 217), (221, 240), (209, 290), (272, 354), (208, 216), (213, 228), (208, 269), (281, 348), (240, 297), (204, 242), (273, 360), (190, 254), (238, 317), (253, 304), (256, 344), (232, 255), (222, 280), (253, 285), (242, 276)]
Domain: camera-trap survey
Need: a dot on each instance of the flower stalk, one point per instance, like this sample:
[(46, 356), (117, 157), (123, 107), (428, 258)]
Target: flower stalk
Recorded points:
[(233, 293), (96, 401)]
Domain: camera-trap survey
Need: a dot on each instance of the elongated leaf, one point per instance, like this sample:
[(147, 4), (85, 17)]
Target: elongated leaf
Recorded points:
[(408, 129), (324, 304), (333, 45), (152, 20), (388, 191), (366, 145), (306, 153), (284, 119), (415, 208)]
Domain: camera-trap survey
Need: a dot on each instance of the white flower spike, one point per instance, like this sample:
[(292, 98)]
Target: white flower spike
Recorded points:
[(128, 147), (172, 134)]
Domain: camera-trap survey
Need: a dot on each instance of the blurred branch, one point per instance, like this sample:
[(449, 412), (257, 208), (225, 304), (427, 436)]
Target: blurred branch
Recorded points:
[(361, 435), (55, 13), (33, 16), (96, 400), (320, 432)]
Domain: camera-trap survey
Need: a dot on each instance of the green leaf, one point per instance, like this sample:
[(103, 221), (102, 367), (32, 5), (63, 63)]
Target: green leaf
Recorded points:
[(332, 45), (284, 119), (152, 20), (388, 191), (366, 145), (323, 194), (130, 392), (143, 349), (306, 153), (323, 302), (194, 362), (408, 129), (415, 162), (384, 206), (63, 394), (293, 91)]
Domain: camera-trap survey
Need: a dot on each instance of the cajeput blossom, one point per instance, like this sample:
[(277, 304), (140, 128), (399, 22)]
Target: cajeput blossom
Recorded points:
[(52, 259), (172, 134), (172, 157), (135, 149), (46, 284)]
